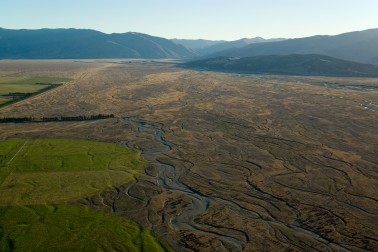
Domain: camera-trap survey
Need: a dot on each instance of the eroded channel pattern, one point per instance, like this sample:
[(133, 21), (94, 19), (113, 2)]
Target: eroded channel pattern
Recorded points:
[(169, 178), (269, 163)]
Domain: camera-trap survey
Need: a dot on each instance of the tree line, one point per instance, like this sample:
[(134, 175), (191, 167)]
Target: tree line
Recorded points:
[(56, 119)]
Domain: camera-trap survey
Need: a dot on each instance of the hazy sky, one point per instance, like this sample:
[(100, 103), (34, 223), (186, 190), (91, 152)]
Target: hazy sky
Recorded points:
[(209, 19)]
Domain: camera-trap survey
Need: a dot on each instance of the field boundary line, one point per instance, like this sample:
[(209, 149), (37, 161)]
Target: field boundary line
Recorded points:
[(6, 165), (56, 89), (31, 97), (10, 160)]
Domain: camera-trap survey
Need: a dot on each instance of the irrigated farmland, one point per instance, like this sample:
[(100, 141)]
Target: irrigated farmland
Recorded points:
[(69, 228), (56, 170), (36, 173), (14, 88), (236, 162)]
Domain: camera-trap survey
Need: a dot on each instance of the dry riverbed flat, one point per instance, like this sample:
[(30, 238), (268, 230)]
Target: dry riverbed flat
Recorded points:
[(236, 162)]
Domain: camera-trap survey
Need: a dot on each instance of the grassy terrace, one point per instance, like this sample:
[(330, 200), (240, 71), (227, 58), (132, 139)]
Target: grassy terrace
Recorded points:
[(70, 228), (13, 89), (57, 170), (37, 176)]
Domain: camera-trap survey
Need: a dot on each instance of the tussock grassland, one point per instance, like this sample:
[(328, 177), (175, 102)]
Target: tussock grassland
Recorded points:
[(236, 162)]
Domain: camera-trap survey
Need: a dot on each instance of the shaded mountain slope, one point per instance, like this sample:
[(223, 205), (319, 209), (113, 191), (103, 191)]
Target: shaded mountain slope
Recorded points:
[(197, 44), (79, 43), (361, 46), (295, 64), (236, 44)]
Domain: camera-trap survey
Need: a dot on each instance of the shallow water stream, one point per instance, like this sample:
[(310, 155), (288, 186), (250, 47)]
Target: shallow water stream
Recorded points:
[(169, 178)]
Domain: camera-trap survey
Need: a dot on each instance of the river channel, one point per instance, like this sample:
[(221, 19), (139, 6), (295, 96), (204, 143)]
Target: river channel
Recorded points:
[(168, 177)]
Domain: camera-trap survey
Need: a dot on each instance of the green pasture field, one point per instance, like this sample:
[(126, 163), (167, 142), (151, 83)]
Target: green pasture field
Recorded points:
[(4, 100), (39, 171), (38, 174), (71, 228), (20, 88), (34, 80), (26, 85)]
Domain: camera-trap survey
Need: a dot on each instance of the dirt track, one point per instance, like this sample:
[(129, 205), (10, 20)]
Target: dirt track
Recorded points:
[(237, 162)]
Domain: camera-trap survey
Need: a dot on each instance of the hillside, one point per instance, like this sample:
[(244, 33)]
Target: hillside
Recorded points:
[(295, 64), (197, 44), (236, 44), (205, 47), (80, 43), (360, 46)]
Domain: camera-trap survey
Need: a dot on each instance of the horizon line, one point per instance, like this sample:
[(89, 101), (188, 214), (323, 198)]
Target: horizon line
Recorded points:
[(225, 40)]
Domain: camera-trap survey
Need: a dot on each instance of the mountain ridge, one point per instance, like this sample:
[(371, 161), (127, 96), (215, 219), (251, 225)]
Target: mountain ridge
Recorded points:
[(61, 43), (85, 43), (294, 64), (236, 44), (360, 46), (197, 44), (204, 47)]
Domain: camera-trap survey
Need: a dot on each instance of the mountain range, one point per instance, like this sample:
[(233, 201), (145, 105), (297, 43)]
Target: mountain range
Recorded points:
[(360, 46), (205, 47), (335, 53), (81, 43), (197, 44), (294, 64)]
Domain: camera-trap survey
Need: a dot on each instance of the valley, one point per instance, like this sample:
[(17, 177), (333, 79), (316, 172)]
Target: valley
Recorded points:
[(236, 162)]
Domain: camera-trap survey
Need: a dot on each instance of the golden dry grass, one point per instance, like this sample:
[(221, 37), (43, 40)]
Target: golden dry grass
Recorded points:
[(277, 162)]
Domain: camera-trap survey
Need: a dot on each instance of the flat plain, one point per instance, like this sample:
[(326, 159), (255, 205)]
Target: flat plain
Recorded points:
[(236, 162)]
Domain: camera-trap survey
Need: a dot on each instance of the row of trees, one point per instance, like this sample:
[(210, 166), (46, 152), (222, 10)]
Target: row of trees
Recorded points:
[(18, 95), (55, 119), (22, 95)]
